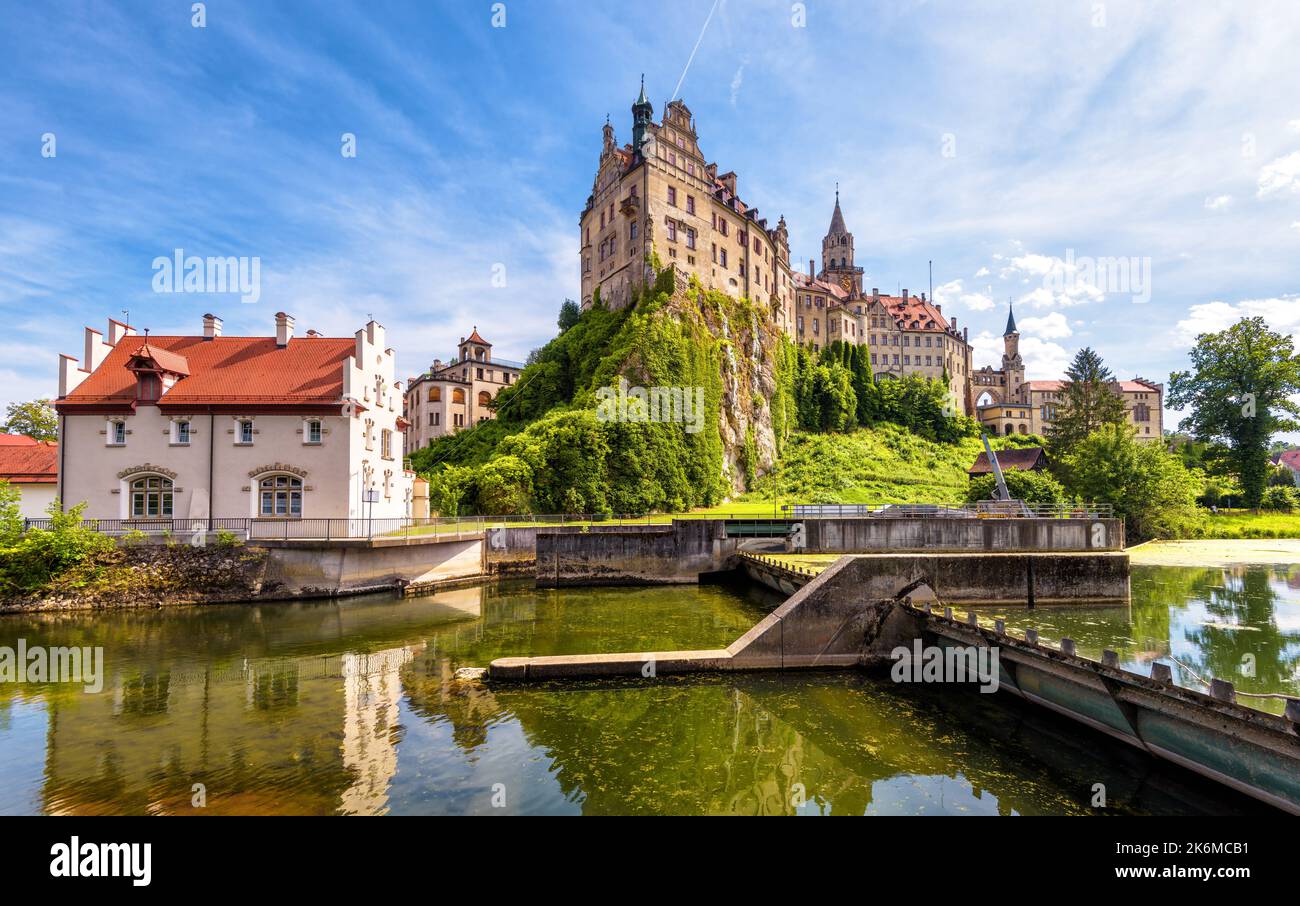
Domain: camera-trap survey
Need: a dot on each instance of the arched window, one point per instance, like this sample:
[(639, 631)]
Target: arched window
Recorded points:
[(151, 496), (1024, 430), (484, 397), (458, 395), (280, 495), (1009, 428), (435, 394)]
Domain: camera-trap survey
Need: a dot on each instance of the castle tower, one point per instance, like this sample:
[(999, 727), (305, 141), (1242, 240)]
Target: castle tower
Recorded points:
[(642, 114), (1012, 364), (837, 254)]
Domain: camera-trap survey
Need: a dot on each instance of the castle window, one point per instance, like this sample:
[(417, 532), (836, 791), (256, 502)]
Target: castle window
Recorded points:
[(435, 394), (151, 496), (690, 204), (117, 433), (457, 395), (672, 231), (690, 238), (484, 397), (182, 433), (244, 431), (672, 196), (280, 495)]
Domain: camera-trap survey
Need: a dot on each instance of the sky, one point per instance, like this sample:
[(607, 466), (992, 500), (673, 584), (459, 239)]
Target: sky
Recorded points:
[(1128, 174)]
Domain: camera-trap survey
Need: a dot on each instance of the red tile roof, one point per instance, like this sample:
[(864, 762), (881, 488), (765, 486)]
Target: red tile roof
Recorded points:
[(167, 360), (1291, 459), (248, 371), (475, 338), (35, 463), (1125, 386), (16, 440)]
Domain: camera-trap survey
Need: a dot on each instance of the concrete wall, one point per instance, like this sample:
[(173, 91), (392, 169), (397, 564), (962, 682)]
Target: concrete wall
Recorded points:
[(639, 555), (849, 535), (343, 566)]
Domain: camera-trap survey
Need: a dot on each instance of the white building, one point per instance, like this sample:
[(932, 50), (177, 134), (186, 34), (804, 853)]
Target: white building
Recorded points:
[(198, 427), (32, 468)]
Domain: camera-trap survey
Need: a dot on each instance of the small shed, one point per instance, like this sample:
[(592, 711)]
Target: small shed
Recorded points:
[(1020, 459)]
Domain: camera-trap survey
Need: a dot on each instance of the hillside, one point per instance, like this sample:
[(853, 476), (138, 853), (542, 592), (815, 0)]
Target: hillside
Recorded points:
[(559, 444), (884, 464)]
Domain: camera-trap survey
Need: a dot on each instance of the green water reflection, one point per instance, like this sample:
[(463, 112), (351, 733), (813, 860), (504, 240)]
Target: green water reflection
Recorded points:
[(352, 707), (1237, 623)]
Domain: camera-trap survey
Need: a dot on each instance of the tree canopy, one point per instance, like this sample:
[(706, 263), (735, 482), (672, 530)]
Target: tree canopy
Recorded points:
[(37, 419), (1238, 393)]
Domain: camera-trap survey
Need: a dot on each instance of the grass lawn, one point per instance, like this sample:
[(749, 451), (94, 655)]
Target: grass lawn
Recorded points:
[(1249, 524)]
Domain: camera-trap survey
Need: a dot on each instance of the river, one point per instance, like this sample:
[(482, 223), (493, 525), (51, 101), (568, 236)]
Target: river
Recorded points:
[(351, 707)]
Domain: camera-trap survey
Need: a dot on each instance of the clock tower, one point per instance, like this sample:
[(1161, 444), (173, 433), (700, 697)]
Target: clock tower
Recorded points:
[(837, 255)]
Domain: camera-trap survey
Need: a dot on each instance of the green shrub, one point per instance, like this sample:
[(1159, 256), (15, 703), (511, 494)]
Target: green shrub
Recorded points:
[(1280, 499), (1031, 487)]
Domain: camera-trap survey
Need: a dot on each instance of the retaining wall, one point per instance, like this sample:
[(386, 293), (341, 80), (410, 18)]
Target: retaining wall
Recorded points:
[(863, 534), (633, 555), (340, 567)]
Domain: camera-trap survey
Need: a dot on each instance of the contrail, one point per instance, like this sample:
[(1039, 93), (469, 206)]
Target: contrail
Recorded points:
[(693, 50)]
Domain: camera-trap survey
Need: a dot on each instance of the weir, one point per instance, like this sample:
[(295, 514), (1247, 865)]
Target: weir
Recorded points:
[(863, 607)]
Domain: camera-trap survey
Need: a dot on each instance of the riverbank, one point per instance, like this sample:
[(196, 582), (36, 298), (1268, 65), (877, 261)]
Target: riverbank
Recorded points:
[(149, 576), (1217, 552)]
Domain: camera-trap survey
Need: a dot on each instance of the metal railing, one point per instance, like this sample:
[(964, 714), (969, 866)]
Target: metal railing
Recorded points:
[(985, 509), (328, 529)]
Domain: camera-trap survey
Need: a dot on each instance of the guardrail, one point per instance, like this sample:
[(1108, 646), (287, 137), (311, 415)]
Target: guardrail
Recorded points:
[(985, 509), (318, 529)]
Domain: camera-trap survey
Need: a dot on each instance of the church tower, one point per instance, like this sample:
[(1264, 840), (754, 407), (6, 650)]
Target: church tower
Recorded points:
[(1013, 366), (837, 254)]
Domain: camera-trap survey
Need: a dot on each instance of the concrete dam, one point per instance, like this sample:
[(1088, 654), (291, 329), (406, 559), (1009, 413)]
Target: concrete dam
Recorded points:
[(894, 587)]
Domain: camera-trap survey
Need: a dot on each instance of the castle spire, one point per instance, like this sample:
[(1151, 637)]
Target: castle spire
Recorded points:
[(837, 219), (1011, 320)]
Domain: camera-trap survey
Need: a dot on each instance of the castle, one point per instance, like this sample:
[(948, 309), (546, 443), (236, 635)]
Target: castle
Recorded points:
[(657, 199)]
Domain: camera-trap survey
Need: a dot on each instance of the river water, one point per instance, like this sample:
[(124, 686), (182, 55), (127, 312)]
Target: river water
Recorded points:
[(351, 707)]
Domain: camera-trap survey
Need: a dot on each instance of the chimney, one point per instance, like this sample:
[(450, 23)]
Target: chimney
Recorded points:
[(875, 292), (954, 323), (437, 364), (211, 327), (939, 309), (904, 294), (811, 265), (283, 329), (922, 297)]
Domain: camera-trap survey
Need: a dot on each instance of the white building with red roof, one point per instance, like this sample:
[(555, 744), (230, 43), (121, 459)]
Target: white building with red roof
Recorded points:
[(32, 468), (209, 427)]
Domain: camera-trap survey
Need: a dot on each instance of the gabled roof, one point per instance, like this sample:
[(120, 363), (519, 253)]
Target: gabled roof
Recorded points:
[(165, 359), (1290, 459), (34, 463), (250, 371), (1021, 459)]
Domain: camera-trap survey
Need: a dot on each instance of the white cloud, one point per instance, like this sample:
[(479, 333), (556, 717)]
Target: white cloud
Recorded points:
[(1218, 202), (951, 294), (1052, 326), (982, 272), (736, 81), (1282, 314), (1280, 175), (1044, 360), (1294, 125)]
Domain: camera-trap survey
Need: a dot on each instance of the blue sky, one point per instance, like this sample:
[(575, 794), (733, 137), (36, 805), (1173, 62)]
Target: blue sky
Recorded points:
[(999, 141)]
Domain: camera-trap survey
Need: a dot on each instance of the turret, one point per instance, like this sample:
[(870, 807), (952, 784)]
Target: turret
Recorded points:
[(642, 114)]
